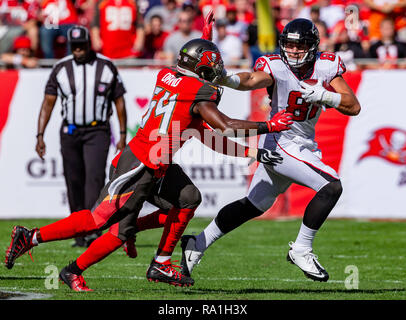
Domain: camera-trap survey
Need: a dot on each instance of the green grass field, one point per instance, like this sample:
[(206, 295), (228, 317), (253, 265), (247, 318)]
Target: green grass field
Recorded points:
[(247, 264)]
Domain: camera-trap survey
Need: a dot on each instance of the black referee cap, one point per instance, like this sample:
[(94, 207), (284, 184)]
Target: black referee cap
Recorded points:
[(78, 34)]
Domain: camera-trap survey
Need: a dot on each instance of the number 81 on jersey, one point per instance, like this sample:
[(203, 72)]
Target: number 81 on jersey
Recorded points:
[(300, 108)]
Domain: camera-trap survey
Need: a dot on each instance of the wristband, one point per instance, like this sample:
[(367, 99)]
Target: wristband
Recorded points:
[(123, 132), (263, 127), (39, 134), (332, 99)]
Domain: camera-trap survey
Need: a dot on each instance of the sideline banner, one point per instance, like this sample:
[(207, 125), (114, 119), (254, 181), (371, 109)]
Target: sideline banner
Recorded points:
[(368, 151)]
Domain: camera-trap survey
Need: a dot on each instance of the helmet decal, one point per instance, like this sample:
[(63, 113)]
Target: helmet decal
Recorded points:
[(200, 58), (208, 58)]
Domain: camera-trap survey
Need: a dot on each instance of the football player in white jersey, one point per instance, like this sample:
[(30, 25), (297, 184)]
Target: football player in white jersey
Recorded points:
[(283, 75)]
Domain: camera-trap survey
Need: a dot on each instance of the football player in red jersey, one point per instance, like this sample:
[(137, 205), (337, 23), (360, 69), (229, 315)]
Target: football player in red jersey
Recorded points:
[(184, 98), (118, 29)]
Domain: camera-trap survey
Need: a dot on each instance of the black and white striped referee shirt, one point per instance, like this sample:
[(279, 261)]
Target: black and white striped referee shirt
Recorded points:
[(86, 89)]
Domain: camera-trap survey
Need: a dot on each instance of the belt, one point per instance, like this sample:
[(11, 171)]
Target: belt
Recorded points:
[(90, 125)]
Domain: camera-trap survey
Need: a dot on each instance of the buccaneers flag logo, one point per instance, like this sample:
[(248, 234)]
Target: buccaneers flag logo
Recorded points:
[(388, 144), (209, 58)]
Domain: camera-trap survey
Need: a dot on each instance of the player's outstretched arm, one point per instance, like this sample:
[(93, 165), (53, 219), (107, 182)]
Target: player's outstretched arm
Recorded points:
[(240, 128), (349, 104), (245, 81), (226, 146)]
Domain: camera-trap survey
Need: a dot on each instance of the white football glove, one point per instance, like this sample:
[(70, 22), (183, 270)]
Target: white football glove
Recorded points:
[(312, 94), (318, 95)]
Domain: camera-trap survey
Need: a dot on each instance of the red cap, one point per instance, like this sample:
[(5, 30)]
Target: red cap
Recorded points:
[(22, 42), (231, 7)]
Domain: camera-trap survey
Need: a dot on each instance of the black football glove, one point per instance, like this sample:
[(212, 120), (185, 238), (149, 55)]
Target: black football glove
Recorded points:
[(269, 157)]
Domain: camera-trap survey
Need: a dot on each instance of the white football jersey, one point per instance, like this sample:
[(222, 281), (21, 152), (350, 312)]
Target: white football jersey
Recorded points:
[(285, 94)]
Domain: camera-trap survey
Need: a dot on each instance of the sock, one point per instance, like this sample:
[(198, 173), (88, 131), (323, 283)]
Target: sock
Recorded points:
[(175, 225), (305, 238), (321, 205), (162, 259), (151, 221), (73, 268), (79, 223), (208, 236), (98, 250), (234, 214)]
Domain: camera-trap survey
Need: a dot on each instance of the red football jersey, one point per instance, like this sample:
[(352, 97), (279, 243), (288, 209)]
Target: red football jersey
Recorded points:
[(169, 115), (59, 12), (117, 21)]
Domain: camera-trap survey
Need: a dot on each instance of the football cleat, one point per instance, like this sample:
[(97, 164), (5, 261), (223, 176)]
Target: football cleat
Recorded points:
[(190, 255), (164, 272), (21, 242), (74, 281), (307, 262), (130, 248)]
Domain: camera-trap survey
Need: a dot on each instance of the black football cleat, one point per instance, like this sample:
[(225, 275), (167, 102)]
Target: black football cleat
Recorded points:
[(21, 242), (164, 272), (74, 281)]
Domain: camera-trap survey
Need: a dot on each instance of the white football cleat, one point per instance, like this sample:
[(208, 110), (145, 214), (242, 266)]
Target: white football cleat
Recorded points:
[(190, 255), (307, 261)]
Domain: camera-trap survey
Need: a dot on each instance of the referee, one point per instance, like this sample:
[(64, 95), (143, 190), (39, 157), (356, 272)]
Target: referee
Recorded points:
[(87, 84)]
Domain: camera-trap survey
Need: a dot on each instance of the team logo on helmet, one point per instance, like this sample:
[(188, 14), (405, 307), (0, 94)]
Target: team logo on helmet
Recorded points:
[(208, 58)]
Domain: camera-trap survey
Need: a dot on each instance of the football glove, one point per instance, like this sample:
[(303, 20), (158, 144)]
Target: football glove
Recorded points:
[(269, 157), (280, 121), (318, 95)]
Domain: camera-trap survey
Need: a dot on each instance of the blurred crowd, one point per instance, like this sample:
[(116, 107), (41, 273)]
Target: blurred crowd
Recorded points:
[(371, 30)]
